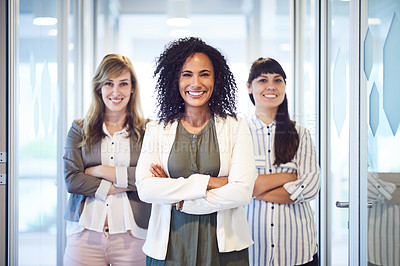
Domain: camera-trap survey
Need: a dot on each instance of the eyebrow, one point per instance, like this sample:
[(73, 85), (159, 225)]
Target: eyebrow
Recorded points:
[(276, 76), (120, 80), (201, 71)]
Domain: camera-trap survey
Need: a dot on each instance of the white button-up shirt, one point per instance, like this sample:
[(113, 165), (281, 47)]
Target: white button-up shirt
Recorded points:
[(115, 151)]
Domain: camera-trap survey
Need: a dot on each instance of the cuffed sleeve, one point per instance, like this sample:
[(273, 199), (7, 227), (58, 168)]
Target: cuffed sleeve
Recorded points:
[(307, 185), (103, 190), (379, 190), (121, 176)]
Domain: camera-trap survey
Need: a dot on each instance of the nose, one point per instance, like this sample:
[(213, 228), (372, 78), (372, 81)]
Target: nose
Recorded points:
[(270, 86), (116, 89), (195, 81)]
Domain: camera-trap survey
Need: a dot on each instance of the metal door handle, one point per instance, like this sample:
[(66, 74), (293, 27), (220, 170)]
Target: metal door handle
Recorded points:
[(342, 204), (345, 204)]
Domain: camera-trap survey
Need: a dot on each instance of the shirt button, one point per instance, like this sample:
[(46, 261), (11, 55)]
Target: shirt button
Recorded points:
[(112, 143), (270, 170), (272, 245), (107, 204), (272, 207), (272, 224), (107, 230), (269, 133), (269, 150), (112, 157), (302, 186), (267, 126)]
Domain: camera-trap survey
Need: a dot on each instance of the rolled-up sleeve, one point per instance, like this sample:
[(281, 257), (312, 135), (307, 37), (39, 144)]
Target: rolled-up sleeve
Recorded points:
[(307, 185), (379, 190)]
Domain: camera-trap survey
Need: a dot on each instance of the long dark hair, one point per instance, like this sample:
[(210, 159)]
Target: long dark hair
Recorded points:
[(168, 69), (286, 141)]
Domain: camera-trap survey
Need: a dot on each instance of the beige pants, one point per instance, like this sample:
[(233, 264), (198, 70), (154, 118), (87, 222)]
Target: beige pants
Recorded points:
[(100, 249)]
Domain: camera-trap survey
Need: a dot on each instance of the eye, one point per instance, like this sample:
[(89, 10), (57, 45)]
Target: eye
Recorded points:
[(205, 74), (124, 84), (107, 83), (263, 80), (278, 80), (186, 74)]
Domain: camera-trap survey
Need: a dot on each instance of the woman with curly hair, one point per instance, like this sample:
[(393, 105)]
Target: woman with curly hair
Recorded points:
[(106, 221), (196, 166)]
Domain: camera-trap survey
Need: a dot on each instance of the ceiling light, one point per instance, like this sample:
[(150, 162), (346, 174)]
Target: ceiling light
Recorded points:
[(178, 13), (44, 12), (374, 21)]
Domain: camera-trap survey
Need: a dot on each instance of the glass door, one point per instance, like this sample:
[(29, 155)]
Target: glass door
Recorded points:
[(337, 132), (380, 77)]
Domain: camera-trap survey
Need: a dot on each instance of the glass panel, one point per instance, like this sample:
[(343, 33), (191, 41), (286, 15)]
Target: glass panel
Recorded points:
[(307, 69), (276, 40), (37, 149), (384, 136), (338, 146)]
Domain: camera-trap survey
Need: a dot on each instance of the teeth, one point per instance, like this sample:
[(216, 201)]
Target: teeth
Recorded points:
[(195, 93), (116, 100), (270, 96)]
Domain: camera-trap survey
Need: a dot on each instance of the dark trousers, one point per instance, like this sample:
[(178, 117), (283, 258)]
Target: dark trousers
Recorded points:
[(314, 262)]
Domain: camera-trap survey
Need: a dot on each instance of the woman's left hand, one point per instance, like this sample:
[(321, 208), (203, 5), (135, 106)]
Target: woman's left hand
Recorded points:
[(157, 170)]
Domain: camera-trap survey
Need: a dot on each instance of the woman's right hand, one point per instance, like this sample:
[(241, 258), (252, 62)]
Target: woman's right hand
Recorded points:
[(157, 170), (115, 190), (217, 182)]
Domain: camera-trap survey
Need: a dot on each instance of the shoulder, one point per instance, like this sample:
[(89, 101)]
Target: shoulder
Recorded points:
[(157, 126), (304, 133), (77, 126)]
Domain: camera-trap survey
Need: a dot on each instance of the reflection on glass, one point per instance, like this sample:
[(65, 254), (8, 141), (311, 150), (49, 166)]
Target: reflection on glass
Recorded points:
[(383, 142)]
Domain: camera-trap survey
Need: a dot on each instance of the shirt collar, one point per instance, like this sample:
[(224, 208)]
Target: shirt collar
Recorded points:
[(259, 124), (123, 132)]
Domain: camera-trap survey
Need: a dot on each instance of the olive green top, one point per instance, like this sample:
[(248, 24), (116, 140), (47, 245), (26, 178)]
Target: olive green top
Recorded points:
[(193, 239)]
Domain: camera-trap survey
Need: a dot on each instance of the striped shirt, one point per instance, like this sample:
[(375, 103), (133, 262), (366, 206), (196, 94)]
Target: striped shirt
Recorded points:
[(284, 234), (383, 223)]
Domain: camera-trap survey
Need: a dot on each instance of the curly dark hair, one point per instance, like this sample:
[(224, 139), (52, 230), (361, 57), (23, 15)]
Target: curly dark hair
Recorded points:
[(168, 69)]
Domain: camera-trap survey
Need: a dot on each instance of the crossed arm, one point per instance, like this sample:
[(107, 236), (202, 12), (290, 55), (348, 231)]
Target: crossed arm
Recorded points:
[(269, 187)]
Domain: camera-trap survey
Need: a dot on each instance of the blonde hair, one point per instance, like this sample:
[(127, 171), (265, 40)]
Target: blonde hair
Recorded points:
[(112, 65)]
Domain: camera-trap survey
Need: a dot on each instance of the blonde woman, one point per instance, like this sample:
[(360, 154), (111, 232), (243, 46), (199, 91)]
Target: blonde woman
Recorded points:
[(106, 221)]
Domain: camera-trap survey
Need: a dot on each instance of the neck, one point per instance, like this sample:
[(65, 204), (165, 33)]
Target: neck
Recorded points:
[(266, 116), (115, 119), (196, 117)]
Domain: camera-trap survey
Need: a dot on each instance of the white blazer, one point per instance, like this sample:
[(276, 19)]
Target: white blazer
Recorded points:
[(236, 161)]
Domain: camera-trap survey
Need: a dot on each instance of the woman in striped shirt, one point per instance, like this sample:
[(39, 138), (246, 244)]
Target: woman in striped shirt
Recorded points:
[(280, 217)]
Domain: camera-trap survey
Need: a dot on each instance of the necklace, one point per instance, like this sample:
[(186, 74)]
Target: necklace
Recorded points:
[(112, 124)]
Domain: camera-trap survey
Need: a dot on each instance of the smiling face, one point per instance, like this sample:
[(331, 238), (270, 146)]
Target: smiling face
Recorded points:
[(268, 91), (196, 82), (116, 93)]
